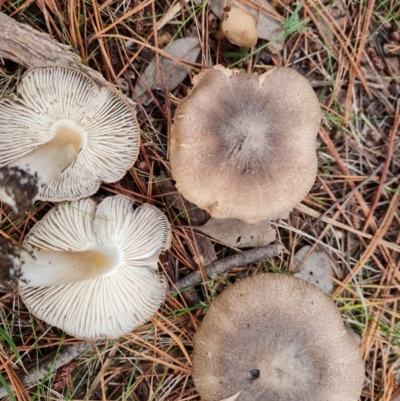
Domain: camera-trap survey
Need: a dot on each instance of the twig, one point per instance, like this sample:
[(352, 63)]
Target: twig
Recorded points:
[(31, 48), (37, 373), (221, 266)]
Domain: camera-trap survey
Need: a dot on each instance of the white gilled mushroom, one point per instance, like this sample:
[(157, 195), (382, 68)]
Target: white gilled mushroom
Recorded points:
[(243, 146), (274, 337), (63, 137), (91, 270)]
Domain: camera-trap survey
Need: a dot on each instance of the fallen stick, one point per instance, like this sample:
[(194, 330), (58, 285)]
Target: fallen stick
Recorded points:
[(221, 266), (38, 373), (31, 48)]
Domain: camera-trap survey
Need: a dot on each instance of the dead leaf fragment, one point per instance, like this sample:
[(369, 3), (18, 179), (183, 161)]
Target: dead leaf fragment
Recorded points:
[(338, 12), (268, 28), (205, 249), (169, 74), (316, 269), (237, 234)]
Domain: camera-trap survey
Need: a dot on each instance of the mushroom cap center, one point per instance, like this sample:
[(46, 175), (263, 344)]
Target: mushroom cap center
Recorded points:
[(285, 370), (288, 368), (247, 141)]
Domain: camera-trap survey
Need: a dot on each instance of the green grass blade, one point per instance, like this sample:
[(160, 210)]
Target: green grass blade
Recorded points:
[(5, 335), (7, 388)]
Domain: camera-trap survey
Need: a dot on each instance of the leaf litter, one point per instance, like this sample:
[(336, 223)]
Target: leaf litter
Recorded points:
[(316, 268), (237, 234), (169, 73), (359, 97)]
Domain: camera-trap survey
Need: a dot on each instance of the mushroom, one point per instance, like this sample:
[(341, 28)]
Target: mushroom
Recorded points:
[(275, 337), (238, 27), (243, 146), (90, 269), (63, 137)]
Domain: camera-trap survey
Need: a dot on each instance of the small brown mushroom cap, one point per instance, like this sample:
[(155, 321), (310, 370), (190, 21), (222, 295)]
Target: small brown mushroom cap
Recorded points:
[(273, 337), (239, 27), (243, 146)]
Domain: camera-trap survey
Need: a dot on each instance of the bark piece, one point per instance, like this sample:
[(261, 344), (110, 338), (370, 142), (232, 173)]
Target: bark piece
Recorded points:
[(31, 48)]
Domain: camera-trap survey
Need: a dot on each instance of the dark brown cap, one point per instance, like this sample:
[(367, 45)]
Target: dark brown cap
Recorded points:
[(243, 146)]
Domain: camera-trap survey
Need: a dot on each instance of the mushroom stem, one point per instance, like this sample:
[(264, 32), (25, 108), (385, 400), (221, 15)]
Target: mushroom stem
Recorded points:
[(44, 268), (23, 180)]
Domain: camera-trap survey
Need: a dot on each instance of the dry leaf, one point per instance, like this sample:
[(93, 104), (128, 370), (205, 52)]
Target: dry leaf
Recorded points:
[(233, 398), (316, 269), (237, 234), (205, 249), (169, 74), (338, 12), (268, 28)]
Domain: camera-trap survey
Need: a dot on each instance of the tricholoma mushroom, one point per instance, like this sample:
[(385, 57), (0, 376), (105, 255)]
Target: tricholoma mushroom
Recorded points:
[(238, 27), (90, 269), (243, 146), (274, 337), (63, 137)]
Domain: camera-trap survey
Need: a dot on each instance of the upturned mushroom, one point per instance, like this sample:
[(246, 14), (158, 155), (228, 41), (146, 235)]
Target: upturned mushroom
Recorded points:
[(274, 337), (63, 137), (90, 269), (244, 146)]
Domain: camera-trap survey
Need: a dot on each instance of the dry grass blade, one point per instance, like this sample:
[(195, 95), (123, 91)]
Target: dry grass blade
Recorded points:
[(307, 210)]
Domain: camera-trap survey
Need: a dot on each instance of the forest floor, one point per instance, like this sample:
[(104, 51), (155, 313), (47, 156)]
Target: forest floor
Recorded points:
[(349, 52)]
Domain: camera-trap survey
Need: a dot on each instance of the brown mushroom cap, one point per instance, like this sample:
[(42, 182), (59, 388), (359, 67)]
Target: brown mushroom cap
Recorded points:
[(239, 27), (243, 146), (274, 337)]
